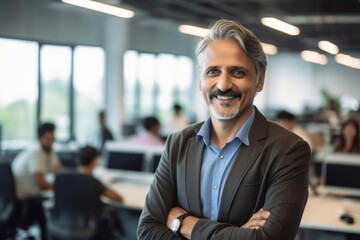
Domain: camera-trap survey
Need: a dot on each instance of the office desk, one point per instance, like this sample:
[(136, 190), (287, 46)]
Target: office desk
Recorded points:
[(133, 186), (322, 213)]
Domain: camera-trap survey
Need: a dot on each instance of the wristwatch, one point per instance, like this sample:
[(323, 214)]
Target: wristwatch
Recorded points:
[(176, 225)]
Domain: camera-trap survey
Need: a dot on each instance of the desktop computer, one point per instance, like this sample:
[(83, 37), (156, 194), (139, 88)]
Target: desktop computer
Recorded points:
[(341, 174)]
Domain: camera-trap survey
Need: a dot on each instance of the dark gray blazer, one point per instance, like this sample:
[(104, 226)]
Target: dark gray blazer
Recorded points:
[(272, 172)]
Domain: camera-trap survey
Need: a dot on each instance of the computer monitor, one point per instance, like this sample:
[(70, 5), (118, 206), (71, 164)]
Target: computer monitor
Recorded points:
[(132, 156), (68, 158), (123, 160), (67, 153), (341, 174)]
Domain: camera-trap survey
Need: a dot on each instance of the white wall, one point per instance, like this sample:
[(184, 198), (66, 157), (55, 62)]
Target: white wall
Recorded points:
[(289, 83), (292, 83)]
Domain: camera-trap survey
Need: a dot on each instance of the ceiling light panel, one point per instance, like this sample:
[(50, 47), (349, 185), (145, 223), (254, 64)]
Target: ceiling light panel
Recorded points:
[(101, 7), (280, 26), (314, 57), (193, 30), (328, 47)]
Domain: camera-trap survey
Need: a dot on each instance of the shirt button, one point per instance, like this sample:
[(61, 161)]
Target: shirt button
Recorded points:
[(221, 156), (215, 186)]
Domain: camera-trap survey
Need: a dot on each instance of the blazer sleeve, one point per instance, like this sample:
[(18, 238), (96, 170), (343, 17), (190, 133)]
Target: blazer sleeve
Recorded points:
[(285, 198), (160, 199)]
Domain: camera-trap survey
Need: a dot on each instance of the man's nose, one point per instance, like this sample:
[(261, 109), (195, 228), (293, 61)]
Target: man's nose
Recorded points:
[(224, 82)]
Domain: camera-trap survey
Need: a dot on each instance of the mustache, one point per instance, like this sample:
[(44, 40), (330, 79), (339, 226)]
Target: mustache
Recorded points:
[(227, 93)]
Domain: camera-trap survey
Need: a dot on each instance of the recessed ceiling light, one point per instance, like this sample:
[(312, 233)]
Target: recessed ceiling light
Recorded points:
[(101, 7), (348, 60), (328, 47), (269, 48), (193, 30), (314, 57), (280, 26)]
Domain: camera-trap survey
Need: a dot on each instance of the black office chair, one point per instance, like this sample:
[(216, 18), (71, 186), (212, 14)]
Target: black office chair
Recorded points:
[(77, 210), (13, 215)]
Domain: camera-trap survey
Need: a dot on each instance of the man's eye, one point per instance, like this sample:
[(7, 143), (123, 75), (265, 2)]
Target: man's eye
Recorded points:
[(212, 72), (238, 73)]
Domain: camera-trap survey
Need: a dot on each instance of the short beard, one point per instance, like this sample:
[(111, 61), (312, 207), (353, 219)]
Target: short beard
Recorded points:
[(229, 93), (219, 116)]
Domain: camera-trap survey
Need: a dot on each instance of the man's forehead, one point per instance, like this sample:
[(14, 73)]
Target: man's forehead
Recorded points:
[(226, 52), (224, 47)]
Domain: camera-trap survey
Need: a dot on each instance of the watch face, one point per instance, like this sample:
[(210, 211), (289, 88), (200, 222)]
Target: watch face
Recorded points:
[(175, 225)]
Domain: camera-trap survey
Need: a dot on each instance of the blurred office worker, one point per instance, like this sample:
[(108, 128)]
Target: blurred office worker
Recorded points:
[(150, 134), (30, 168), (88, 160), (289, 121), (236, 175), (179, 120), (348, 141), (102, 133)]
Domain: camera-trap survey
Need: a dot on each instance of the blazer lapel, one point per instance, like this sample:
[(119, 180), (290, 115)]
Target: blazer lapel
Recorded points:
[(194, 157), (243, 162)]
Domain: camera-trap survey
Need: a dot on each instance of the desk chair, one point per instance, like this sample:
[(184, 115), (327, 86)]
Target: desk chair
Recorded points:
[(77, 208), (12, 212)]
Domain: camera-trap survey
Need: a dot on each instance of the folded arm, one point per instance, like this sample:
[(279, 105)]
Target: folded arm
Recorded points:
[(256, 221)]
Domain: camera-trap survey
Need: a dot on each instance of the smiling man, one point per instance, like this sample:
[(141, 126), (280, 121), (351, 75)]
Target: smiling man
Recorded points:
[(236, 175)]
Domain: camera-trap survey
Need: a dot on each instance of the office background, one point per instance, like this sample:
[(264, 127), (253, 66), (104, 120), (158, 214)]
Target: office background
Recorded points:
[(291, 83), (101, 55)]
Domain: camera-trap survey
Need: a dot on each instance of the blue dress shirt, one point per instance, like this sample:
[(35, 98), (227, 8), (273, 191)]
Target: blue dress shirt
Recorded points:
[(216, 165)]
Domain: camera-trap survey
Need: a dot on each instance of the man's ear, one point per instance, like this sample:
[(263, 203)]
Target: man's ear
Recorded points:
[(260, 82)]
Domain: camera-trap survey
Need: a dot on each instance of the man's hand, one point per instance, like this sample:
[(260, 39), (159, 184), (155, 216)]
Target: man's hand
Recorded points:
[(174, 213), (41, 182), (187, 225), (257, 220)]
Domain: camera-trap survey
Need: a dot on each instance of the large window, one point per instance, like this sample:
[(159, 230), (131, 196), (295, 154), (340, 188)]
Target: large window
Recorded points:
[(18, 88), (55, 71), (154, 82), (65, 88), (89, 64)]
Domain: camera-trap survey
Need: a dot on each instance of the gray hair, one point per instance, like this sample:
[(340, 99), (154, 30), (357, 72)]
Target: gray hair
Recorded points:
[(226, 29)]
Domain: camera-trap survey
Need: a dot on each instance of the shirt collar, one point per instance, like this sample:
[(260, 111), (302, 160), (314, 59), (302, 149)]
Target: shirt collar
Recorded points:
[(242, 134)]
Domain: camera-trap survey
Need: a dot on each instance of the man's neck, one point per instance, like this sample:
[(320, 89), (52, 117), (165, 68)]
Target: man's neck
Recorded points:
[(45, 149), (86, 170), (224, 131)]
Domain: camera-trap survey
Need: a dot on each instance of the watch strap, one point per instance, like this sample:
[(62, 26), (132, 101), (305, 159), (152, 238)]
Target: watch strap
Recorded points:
[(181, 218)]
